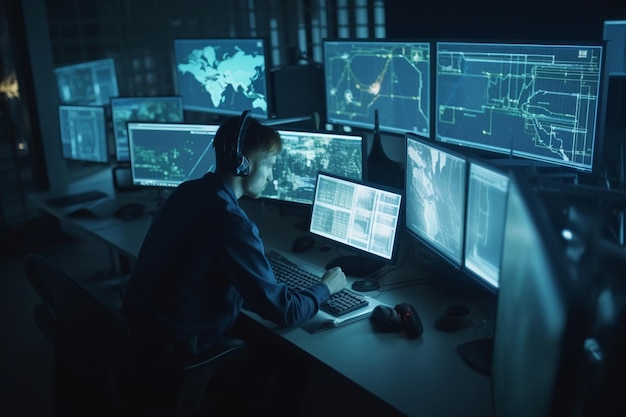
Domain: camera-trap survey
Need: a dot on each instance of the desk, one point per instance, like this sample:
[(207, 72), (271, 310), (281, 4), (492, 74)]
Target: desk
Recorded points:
[(424, 376)]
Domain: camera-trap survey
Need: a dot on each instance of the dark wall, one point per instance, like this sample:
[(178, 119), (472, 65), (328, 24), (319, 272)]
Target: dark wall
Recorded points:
[(547, 20)]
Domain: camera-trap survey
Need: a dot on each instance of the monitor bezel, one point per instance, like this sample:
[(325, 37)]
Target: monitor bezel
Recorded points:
[(368, 126), (360, 252), (183, 126), (104, 135), (457, 264), (112, 102), (484, 281), (530, 160), (303, 204), (255, 112)]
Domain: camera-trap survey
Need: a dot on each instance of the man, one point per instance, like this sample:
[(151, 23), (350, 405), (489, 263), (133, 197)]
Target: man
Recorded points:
[(202, 257)]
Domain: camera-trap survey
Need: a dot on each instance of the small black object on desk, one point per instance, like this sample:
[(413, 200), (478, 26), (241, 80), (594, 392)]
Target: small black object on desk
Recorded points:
[(365, 284), (302, 244)]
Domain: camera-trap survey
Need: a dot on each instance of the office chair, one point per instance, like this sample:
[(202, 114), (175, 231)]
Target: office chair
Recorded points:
[(87, 337), (178, 387)]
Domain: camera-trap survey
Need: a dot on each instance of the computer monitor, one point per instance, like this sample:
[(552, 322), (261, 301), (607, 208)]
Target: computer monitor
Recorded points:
[(540, 322), (487, 189), (83, 133), (222, 76), (534, 101), (304, 154), (362, 217), (88, 83), (390, 76), (435, 197), (166, 109), (166, 154)]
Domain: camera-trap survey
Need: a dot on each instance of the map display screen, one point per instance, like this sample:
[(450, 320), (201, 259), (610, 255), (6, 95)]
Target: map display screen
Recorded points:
[(392, 77), (435, 197), (223, 76), (533, 101)]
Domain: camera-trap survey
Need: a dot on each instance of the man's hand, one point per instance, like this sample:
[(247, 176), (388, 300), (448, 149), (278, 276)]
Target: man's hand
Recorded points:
[(334, 279)]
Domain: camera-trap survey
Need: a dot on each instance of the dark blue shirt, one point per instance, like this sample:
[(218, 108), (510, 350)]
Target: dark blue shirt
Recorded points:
[(201, 259)]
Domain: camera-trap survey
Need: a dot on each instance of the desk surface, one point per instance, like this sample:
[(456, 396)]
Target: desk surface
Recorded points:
[(424, 376)]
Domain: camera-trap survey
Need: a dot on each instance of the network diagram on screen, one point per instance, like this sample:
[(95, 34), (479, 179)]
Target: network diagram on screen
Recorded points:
[(535, 101), (435, 190), (226, 76), (167, 157), (304, 154), (391, 77)]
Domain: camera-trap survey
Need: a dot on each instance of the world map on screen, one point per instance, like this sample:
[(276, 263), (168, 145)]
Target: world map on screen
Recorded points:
[(228, 76)]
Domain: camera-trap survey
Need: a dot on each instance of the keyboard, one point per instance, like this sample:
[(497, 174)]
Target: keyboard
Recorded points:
[(296, 278), (78, 198)]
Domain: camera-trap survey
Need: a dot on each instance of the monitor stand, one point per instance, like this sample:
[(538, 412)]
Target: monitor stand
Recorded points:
[(478, 354), (356, 266)]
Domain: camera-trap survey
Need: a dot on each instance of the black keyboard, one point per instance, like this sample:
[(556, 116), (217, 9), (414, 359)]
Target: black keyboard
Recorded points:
[(296, 278), (78, 198)]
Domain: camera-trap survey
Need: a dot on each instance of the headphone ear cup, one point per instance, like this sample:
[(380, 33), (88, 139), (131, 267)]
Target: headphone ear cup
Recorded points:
[(241, 163), (385, 319)]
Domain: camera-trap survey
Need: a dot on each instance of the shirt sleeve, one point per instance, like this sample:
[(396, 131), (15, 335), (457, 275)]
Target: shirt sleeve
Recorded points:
[(251, 273)]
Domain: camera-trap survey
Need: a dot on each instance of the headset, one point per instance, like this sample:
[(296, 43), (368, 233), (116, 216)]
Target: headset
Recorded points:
[(239, 161)]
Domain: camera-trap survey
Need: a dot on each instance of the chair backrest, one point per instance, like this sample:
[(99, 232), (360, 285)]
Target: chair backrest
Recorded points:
[(88, 339), (78, 322)]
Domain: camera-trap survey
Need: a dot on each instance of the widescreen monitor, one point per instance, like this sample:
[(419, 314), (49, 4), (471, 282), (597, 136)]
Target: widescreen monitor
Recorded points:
[(362, 217), (393, 77), (83, 133), (304, 154), (89, 83), (166, 109), (534, 101), (435, 197), (167, 154), (222, 76), (487, 189)]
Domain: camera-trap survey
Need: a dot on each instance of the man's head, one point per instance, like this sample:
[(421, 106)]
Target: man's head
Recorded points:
[(259, 144)]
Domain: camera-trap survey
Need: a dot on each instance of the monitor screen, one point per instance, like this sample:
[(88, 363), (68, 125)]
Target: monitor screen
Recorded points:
[(435, 196), (222, 76), (392, 77), (166, 154), (535, 330), (484, 226), (538, 102), (304, 154), (363, 217), (88, 83), (141, 109), (83, 133)]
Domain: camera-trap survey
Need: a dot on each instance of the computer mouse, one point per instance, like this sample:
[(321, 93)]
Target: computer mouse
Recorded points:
[(366, 284), (302, 244), (411, 322)]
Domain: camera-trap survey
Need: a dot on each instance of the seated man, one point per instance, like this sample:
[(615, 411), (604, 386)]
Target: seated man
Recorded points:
[(202, 257)]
